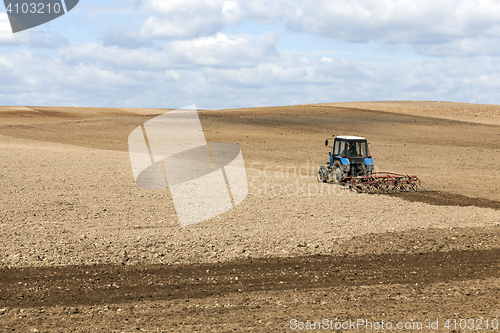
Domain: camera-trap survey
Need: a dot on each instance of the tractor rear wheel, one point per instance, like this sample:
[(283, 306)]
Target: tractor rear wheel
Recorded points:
[(364, 171), (337, 172)]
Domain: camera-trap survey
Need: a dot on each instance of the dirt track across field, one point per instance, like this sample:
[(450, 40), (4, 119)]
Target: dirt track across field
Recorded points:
[(86, 250), (447, 199)]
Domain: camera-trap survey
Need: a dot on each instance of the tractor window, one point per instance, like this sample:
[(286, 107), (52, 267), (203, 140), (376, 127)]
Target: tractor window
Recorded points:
[(364, 149), (336, 148), (351, 149), (356, 149), (342, 148)]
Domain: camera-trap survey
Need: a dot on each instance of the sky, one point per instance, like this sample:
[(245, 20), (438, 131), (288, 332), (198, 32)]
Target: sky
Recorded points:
[(229, 54)]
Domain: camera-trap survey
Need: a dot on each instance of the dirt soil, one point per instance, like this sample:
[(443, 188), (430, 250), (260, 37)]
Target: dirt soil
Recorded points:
[(475, 113), (85, 249)]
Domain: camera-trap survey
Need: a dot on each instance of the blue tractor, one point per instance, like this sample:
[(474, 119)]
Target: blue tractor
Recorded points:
[(349, 157)]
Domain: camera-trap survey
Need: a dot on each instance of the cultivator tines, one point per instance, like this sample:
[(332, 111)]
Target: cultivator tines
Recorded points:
[(384, 182)]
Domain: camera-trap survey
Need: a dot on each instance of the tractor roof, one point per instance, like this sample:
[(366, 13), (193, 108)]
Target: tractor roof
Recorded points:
[(349, 137)]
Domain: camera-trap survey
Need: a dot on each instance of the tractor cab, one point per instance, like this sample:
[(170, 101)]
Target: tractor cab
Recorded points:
[(349, 156), (351, 147)]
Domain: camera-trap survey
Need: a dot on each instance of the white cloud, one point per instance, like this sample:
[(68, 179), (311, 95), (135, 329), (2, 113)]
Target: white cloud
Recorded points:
[(116, 57), (6, 35), (214, 51), (39, 80), (468, 47), (95, 75), (437, 28), (422, 25), (178, 56), (220, 51), (392, 21), (188, 18), (38, 40)]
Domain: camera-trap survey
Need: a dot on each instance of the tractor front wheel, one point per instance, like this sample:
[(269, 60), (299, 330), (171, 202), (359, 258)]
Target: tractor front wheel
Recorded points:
[(322, 175)]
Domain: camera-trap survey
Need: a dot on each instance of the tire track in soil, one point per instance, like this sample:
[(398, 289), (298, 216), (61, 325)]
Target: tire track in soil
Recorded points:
[(105, 284), (439, 198)]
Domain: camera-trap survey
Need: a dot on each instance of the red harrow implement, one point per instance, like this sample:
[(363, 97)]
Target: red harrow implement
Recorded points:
[(383, 182)]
